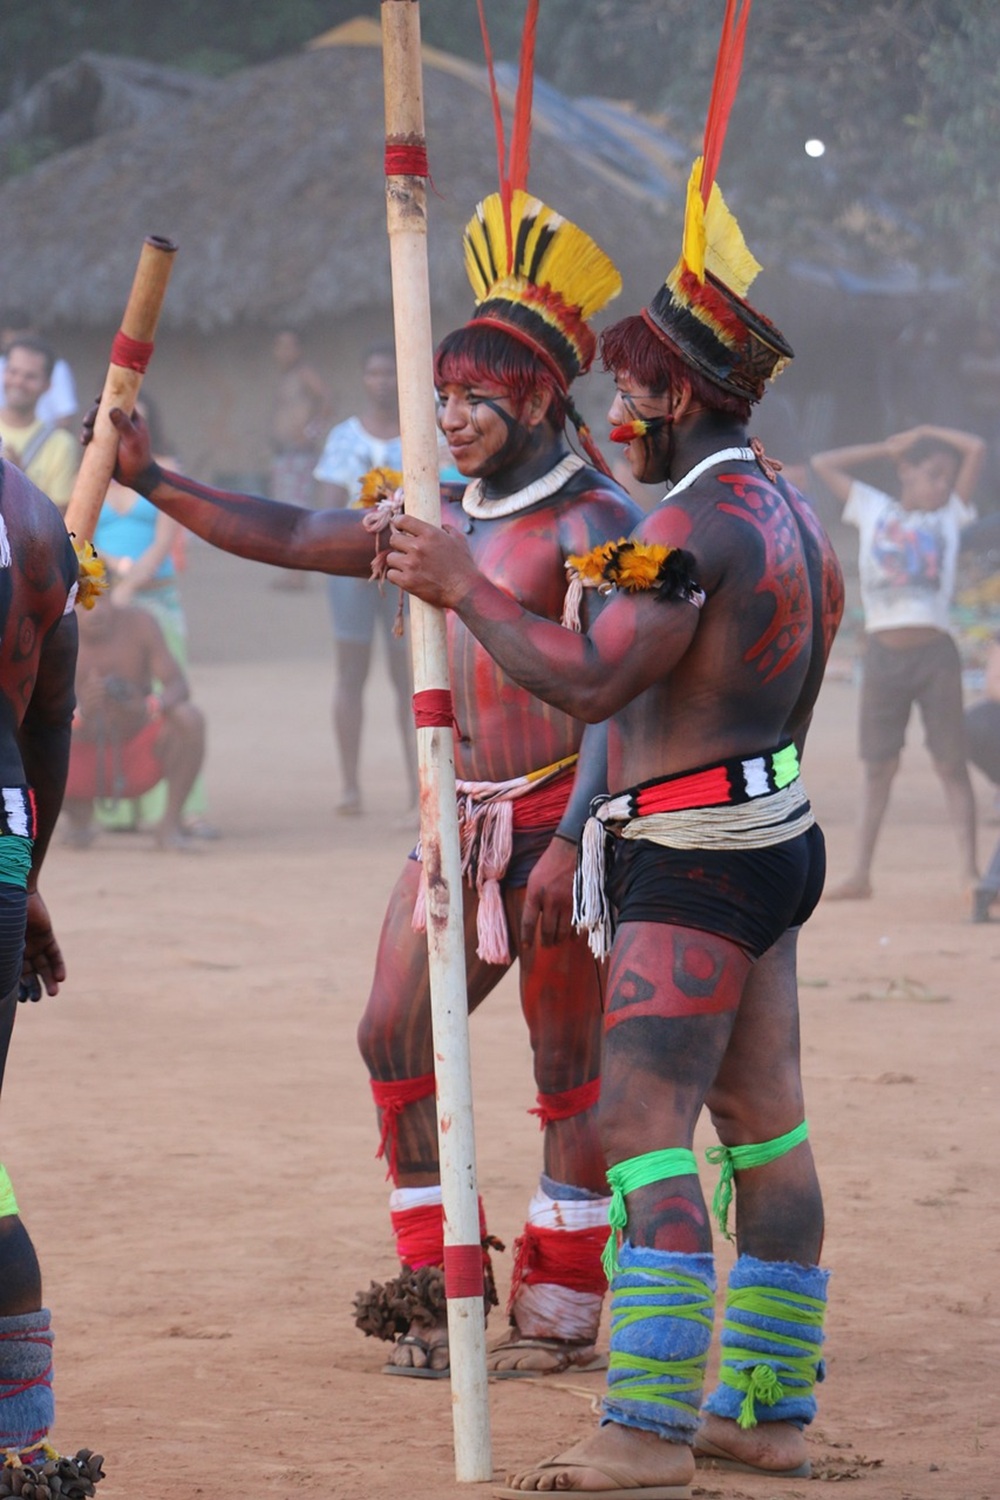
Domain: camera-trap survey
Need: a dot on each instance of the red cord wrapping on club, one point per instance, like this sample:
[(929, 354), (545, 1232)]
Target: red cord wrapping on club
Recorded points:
[(130, 354)]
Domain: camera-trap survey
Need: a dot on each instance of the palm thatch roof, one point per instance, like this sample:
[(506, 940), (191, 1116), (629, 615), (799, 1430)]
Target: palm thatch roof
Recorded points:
[(93, 94), (272, 186)]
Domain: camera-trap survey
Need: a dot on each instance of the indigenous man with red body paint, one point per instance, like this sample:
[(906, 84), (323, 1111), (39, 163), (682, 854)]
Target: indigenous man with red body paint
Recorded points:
[(39, 583), (707, 660), (503, 384)]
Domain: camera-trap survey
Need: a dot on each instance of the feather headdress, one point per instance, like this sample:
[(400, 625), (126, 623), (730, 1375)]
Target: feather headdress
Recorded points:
[(701, 310), (532, 272)]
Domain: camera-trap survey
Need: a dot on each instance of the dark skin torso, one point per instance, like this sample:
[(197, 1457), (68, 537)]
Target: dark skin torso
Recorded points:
[(32, 595), (502, 730), (753, 669), (682, 687)]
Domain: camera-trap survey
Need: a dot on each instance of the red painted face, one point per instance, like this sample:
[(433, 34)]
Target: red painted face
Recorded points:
[(479, 423), (647, 454)]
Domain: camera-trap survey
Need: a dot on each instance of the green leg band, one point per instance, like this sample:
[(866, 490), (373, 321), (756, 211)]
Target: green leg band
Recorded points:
[(638, 1172), (732, 1159), (8, 1203)]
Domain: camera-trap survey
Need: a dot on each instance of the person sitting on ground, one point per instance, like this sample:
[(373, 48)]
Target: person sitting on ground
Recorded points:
[(908, 550), (125, 738)]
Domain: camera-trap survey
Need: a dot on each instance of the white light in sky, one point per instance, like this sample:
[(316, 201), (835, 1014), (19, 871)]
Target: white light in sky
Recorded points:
[(815, 147)]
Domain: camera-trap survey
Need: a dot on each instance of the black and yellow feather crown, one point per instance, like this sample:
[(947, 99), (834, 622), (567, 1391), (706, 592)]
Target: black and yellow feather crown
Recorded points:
[(540, 278)]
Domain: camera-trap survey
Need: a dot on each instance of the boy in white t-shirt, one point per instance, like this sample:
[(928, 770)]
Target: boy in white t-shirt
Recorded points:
[(908, 552)]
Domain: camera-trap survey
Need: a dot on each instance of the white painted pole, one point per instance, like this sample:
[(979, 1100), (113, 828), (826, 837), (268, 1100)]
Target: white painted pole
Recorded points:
[(406, 172)]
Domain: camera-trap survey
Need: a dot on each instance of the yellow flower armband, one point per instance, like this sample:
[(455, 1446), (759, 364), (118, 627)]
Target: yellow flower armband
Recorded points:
[(638, 567), (377, 485), (92, 580)]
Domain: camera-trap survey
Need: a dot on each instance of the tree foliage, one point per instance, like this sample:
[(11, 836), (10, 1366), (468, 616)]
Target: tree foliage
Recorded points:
[(904, 93)]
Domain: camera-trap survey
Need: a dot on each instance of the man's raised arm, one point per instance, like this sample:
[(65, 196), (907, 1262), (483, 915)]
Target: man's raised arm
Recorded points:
[(287, 536)]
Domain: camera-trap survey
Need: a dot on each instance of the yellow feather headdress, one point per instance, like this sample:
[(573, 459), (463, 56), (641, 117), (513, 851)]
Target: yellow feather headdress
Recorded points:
[(701, 311), (539, 277)]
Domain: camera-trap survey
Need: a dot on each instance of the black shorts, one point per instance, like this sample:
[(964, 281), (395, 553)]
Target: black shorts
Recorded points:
[(893, 679), (750, 896)]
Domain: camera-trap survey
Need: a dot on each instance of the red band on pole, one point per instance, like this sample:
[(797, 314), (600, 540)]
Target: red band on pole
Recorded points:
[(130, 354), (403, 160), (433, 709), (463, 1271)]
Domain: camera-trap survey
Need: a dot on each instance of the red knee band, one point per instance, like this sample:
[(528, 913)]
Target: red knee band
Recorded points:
[(561, 1257), (567, 1104), (392, 1096)]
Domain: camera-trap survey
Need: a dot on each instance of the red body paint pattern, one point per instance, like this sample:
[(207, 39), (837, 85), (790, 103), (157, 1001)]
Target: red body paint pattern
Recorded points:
[(832, 582), (42, 570), (698, 982), (503, 730), (785, 574)]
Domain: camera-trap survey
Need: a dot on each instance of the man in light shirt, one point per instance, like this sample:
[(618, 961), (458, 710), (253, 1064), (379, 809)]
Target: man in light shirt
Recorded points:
[(908, 552)]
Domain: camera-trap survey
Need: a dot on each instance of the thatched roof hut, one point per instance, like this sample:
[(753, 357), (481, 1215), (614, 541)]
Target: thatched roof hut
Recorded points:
[(271, 182), (273, 188), (93, 94)]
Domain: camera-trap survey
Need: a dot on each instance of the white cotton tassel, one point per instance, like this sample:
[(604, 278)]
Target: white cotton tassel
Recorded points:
[(496, 841), (570, 619), (591, 908), (5, 557)]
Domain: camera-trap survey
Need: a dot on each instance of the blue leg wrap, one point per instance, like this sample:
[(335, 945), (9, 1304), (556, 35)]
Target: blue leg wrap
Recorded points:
[(772, 1338), (662, 1305), (27, 1408)]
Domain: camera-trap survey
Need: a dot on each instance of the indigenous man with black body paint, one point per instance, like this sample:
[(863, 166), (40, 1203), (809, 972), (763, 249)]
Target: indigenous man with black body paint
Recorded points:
[(707, 660), (503, 384), (38, 637)]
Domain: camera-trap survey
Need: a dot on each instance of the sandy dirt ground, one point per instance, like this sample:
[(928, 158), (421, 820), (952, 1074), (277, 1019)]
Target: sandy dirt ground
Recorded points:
[(190, 1133)]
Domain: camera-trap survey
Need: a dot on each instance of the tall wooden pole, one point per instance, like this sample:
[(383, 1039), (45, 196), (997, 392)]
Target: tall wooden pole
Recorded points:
[(130, 352), (406, 173)]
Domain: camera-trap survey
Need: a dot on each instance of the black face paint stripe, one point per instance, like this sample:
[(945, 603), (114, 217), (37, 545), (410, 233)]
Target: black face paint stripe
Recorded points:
[(512, 425)]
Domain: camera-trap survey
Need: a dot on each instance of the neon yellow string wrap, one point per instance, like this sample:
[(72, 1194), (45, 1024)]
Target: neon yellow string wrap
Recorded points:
[(732, 1159), (8, 1203), (637, 1172), (673, 1377), (785, 766), (760, 1382)]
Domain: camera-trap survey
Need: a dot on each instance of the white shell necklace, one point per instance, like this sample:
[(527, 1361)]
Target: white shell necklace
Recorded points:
[(724, 456), (475, 503)]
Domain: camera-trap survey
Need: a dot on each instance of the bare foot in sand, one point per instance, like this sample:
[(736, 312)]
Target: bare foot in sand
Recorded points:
[(770, 1447), (612, 1458), (421, 1353), (522, 1355)]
